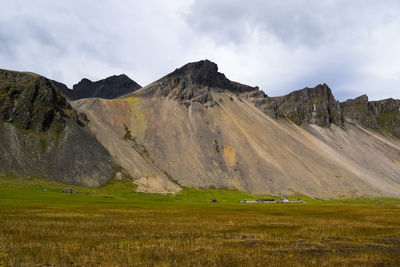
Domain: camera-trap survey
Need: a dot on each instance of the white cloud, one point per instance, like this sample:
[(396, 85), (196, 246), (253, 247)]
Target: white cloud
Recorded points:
[(69, 40), (278, 45), (287, 45)]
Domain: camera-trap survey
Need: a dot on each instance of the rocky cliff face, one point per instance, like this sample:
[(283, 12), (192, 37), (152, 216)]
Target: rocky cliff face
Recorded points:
[(379, 115), (307, 106), (42, 135), (109, 88)]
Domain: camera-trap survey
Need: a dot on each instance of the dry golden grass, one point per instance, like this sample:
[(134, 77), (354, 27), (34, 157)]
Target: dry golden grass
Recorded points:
[(249, 235), (50, 228)]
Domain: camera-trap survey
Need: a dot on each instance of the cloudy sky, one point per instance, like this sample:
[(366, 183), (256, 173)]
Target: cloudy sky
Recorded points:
[(352, 45)]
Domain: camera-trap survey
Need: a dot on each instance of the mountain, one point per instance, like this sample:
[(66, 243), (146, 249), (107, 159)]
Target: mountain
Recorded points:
[(196, 128), (109, 88), (42, 135)]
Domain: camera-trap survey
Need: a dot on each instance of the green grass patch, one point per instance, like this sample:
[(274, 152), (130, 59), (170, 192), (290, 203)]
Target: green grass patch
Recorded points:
[(128, 134), (15, 188)]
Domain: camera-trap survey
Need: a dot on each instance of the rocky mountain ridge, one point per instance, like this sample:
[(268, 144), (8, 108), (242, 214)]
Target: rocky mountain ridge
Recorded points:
[(307, 106), (108, 88), (381, 115), (195, 81)]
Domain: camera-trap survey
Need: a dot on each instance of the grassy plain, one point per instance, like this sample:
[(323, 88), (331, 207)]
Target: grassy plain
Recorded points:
[(115, 226)]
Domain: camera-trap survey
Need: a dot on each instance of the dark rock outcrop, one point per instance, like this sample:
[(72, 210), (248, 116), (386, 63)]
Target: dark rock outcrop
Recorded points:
[(31, 102), (109, 88), (307, 106), (64, 89), (379, 115), (193, 83), (358, 110), (42, 135)]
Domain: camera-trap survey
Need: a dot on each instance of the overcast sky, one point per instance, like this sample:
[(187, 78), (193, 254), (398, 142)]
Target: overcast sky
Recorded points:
[(352, 45)]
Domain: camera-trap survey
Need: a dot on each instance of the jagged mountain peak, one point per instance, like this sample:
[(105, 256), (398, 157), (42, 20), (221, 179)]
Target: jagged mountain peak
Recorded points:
[(194, 82), (109, 88), (202, 72), (120, 77), (205, 73)]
